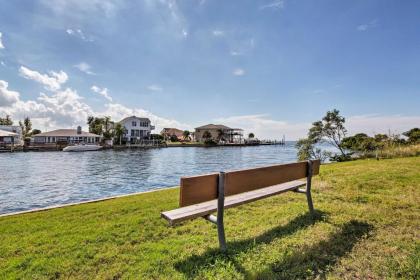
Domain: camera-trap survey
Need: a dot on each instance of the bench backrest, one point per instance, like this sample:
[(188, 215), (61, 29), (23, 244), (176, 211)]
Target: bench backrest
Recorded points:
[(203, 188)]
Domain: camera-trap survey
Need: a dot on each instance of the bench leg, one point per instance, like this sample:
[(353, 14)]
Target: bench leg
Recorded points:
[(308, 188), (220, 210), (220, 229)]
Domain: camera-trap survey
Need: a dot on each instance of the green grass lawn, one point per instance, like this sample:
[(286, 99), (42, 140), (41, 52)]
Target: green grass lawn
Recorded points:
[(367, 227)]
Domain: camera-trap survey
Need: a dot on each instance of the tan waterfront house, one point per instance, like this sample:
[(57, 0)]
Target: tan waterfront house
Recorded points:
[(167, 133), (219, 133), (66, 136)]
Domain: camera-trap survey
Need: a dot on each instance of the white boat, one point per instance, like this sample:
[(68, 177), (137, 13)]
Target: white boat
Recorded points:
[(82, 148)]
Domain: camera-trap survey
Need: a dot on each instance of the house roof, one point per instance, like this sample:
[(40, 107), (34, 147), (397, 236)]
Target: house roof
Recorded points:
[(4, 133), (213, 126), (134, 117), (173, 131), (66, 133)]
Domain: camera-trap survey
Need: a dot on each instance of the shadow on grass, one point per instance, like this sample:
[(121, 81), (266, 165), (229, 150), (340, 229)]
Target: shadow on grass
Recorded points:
[(315, 261), (194, 264)]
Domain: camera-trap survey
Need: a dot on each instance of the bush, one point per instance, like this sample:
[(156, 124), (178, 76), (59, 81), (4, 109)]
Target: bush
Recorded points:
[(210, 142)]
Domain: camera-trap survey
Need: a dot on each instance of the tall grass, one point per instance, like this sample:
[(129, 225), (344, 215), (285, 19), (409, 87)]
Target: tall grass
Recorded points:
[(394, 151)]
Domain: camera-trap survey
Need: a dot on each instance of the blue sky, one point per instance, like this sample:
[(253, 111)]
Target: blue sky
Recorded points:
[(271, 67)]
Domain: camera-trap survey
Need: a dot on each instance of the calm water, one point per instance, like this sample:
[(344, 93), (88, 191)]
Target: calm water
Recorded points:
[(34, 180)]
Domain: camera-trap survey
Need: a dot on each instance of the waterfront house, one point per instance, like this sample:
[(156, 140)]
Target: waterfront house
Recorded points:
[(11, 134), (66, 136), (219, 133), (136, 129), (167, 133), (8, 138)]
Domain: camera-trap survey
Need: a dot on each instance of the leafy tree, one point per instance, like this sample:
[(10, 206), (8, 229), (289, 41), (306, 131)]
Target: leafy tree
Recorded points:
[(6, 121), (207, 135), (26, 127), (355, 143), (119, 131), (186, 134), (101, 126), (329, 130), (107, 128), (413, 135), (220, 134), (36, 131), (381, 138), (174, 138), (157, 137), (307, 150), (95, 125), (251, 135)]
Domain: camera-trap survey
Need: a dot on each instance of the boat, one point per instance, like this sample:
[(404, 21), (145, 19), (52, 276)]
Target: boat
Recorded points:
[(82, 148)]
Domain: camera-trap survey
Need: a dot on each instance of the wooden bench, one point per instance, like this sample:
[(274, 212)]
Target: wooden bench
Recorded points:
[(200, 196)]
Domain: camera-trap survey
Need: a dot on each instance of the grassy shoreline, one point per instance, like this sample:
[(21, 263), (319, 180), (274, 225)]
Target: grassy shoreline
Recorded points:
[(367, 226)]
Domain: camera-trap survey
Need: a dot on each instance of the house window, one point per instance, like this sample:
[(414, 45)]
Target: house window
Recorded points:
[(133, 123), (132, 133)]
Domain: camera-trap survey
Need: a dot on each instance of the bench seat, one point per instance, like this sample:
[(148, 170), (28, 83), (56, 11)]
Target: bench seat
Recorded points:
[(205, 208)]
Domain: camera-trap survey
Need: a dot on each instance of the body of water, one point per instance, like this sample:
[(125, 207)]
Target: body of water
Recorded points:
[(40, 179)]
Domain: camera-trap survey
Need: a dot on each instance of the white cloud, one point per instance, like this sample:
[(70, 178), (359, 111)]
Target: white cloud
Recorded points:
[(65, 108), (102, 91), (84, 67), (238, 72), (155, 88), (369, 25), (118, 112), (374, 124), (78, 8), (169, 18), (62, 109), (2, 63), (277, 5), (241, 46), (1, 42), (265, 128), (362, 27), (184, 33), (79, 34), (235, 53), (218, 33), (7, 97), (52, 82)]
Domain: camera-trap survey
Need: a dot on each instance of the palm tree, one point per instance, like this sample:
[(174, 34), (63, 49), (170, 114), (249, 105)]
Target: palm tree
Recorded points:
[(186, 134), (26, 128), (220, 134), (90, 120), (108, 132), (119, 130), (207, 135), (251, 135)]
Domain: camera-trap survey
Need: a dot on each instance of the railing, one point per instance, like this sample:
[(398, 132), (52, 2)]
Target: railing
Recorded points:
[(145, 143)]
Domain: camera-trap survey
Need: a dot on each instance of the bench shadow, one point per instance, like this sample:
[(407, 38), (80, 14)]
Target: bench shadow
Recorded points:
[(192, 265), (313, 262)]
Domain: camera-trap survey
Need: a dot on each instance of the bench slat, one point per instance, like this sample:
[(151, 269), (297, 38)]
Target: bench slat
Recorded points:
[(208, 207), (198, 189)]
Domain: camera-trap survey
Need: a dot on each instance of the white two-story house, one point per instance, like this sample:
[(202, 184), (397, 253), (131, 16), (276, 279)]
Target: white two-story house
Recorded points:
[(136, 129)]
